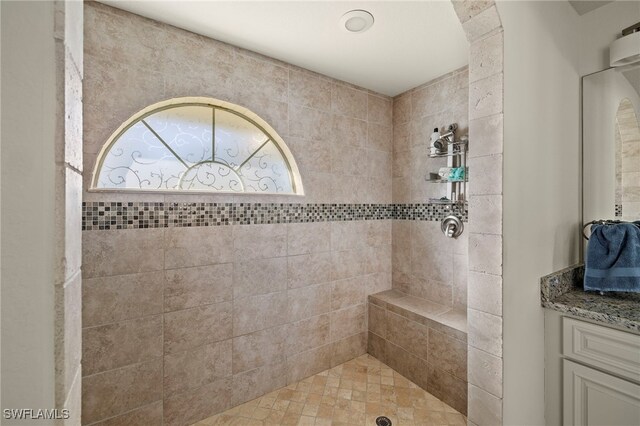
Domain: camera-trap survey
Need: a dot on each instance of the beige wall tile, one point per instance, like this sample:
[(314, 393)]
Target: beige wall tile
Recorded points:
[(486, 97), (348, 264), (380, 110), (348, 348), (118, 391), (317, 187), (409, 335), (197, 404), (260, 348), (379, 232), (484, 408), (349, 161), (193, 327), (196, 367), (308, 269), (376, 347), (402, 137), (487, 135), (309, 90), (348, 131), (449, 354), (431, 264), (407, 364), (305, 364), (347, 322), (189, 287), (347, 292), (467, 9), (485, 254), (308, 301), (259, 276), (485, 332), (117, 345), (259, 312), (378, 282), (137, 87), (377, 320), (485, 371), (68, 345), (305, 238), (310, 156), (487, 59), (485, 214), (380, 137), (449, 389), (307, 334), (117, 298), (348, 101), (253, 77), (460, 281), (69, 225), (259, 241), (486, 175), (379, 163), (348, 235), (254, 383), (185, 247), (485, 293), (400, 161), (150, 414), (309, 123), (121, 252), (481, 25), (401, 109)]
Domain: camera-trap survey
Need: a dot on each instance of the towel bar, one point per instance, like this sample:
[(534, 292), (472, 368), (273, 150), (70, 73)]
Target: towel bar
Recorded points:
[(603, 222)]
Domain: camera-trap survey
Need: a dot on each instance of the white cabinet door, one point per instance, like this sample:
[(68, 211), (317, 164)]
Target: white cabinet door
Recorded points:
[(593, 398)]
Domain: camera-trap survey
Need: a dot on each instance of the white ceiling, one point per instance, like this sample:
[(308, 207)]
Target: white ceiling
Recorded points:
[(410, 43), (586, 6)]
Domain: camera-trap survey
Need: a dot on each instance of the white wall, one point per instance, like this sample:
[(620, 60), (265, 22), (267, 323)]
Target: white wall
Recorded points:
[(599, 28), (541, 185), (28, 172)]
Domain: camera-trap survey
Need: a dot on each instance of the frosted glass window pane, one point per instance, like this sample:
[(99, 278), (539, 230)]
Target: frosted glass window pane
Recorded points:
[(211, 176), (266, 171), (236, 138), (139, 160), (197, 144), (187, 130)]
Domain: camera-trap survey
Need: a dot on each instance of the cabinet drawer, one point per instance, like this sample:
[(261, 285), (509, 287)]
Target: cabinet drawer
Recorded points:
[(602, 347)]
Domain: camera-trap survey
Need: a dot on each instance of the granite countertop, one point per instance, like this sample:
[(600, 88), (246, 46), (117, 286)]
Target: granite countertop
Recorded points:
[(562, 291)]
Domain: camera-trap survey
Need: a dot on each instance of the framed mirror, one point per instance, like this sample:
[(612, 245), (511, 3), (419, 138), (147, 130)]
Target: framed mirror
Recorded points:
[(611, 144)]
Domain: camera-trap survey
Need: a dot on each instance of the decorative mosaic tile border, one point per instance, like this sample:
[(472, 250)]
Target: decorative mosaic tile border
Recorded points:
[(135, 215)]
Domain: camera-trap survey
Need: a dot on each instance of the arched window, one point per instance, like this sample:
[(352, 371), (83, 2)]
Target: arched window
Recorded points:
[(196, 144)]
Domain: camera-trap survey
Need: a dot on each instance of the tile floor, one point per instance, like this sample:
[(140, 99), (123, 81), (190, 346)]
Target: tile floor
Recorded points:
[(353, 393)]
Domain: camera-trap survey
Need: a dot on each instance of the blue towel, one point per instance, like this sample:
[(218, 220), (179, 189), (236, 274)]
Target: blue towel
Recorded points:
[(613, 258)]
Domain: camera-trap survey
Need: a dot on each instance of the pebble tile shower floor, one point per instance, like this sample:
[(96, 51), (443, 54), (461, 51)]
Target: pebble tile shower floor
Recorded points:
[(353, 393)]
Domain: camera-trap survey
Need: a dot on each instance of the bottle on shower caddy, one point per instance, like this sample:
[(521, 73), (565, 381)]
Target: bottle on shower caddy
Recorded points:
[(435, 147)]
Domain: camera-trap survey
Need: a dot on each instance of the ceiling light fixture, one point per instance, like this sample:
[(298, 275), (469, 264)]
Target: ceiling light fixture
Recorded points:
[(356, 21)]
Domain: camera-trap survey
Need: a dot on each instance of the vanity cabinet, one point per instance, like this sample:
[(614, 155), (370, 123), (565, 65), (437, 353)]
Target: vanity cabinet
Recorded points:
[(592, 398), (600, 375)]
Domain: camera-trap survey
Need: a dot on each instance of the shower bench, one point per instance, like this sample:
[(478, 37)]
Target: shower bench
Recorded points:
[(424, 341)]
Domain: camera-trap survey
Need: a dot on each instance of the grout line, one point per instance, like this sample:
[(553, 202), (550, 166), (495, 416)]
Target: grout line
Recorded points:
[(126, 412)]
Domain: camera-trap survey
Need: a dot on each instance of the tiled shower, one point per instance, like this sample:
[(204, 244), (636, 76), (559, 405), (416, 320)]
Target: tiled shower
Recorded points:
[(193, 304)]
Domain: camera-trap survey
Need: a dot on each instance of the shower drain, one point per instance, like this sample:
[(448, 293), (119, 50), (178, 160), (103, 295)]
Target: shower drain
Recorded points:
[(383, 421)]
